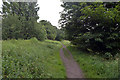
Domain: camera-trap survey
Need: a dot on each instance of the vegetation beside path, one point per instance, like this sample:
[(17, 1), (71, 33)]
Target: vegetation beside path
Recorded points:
[(94, 66), (32, 59), (40, 59)]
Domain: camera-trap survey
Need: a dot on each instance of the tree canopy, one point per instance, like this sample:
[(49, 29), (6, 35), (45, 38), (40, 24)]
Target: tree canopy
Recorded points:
[(93, 26), (52, 32), (20, 21)]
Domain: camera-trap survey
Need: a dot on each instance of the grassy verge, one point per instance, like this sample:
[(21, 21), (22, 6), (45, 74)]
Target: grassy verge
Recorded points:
[(94, 66), (32, 59), (66, 53), (65, 42)]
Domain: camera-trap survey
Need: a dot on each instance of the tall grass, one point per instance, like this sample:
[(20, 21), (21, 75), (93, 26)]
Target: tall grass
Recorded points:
[(94, 66), (32, 59)]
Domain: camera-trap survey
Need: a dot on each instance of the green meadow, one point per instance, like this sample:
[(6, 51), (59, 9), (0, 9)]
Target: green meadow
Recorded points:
[(41, 59), (32, 59)]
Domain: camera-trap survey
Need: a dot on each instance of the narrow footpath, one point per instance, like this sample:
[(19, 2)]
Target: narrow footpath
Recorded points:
[(72, 68)]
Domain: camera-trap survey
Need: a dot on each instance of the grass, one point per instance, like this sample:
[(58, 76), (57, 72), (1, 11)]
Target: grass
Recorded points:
[(40, 59), (32, 59), (65, 42), (66, 53), (94, 66)]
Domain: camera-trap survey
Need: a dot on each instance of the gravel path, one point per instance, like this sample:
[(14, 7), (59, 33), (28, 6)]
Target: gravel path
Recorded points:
[(72, 68)]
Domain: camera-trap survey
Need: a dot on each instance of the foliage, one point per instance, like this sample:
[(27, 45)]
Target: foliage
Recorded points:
[(60, 35), (31, 59), (94, 26), (20, 21), (11, 29), (40, 32), (50, 29), (94, 66)]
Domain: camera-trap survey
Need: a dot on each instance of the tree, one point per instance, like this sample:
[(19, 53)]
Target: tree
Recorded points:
[(11, 27), (93, 26), (50, 29), (24, 16), (60, 35), (40, 32)]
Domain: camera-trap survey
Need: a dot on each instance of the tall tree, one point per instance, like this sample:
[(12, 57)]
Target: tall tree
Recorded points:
[(50, 29), (23, 13), (93, 26)]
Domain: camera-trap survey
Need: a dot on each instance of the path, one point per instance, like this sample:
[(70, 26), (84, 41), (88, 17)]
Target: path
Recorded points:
[(72, 68)]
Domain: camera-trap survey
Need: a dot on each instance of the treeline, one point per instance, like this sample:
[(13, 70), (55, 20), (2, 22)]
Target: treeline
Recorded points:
[(20, 22), (94, 27)]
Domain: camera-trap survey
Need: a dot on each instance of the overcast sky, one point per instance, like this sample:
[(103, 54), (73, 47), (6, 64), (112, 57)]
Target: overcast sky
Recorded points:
[(49, 10)]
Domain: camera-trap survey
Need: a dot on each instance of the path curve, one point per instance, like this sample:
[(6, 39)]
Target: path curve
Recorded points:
[(72, 68)]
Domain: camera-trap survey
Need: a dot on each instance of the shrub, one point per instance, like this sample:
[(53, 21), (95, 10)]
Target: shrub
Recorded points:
[(40, 32)]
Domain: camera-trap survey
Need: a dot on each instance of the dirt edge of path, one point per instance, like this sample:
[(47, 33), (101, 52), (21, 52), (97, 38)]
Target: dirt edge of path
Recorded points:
[(72, 68)]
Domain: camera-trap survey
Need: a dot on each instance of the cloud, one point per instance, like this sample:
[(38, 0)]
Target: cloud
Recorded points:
[(49, 10)]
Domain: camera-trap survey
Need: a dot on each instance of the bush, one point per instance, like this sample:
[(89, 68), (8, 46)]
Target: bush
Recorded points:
[(50, 29), (40, 32), (108, 55), (11, 28)]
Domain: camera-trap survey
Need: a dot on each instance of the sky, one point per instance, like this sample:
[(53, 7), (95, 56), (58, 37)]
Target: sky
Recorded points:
[(49, 10)]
